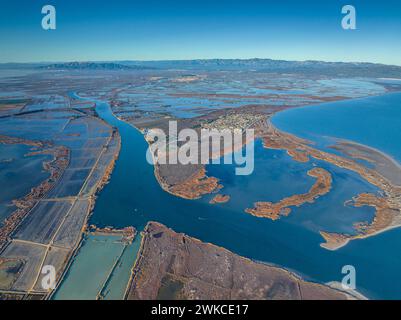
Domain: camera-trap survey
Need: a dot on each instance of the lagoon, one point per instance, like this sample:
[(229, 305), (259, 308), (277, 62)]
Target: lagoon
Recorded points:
[(293, 242)]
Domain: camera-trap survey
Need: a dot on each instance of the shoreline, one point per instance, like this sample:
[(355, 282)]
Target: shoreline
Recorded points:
[(157, 177), (214, 182), (282, 208), (152, 274), (192, 182), (303, 154), (384, 163), (388, 217)]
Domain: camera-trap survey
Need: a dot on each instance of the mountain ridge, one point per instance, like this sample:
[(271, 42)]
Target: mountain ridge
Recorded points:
[(307, 67), (88, 65)]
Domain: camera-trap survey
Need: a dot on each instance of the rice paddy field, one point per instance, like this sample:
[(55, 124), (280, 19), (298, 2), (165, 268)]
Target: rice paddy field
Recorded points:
[(59, 109), (52, 230), (102, 266)]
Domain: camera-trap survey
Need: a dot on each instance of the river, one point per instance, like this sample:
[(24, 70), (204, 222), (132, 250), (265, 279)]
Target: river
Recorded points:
[(133, 197)]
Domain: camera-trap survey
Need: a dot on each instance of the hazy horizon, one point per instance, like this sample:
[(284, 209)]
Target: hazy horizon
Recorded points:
[(194, 59)]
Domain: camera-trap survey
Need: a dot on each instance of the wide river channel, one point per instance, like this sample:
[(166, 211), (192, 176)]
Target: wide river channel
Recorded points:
[(133, 197)]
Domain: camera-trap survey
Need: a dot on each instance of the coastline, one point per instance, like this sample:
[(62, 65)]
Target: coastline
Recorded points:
[(275, 211), (155, 273), (156, 175), (302, 150), (193, 187), (384, 163), (190, 180)]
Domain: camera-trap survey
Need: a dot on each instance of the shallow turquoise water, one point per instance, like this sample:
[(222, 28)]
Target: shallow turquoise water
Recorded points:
[(91, 268), (102, 267), (116, 287), (293, 242)]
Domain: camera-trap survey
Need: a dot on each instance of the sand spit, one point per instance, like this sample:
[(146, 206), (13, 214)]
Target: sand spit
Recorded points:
[(388, 206)]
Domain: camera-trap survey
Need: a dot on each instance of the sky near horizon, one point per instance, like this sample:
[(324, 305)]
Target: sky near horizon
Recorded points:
[(165, 30)]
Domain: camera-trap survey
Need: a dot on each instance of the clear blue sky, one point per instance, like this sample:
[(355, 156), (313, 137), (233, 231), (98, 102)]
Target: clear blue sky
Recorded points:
[(157, 30)]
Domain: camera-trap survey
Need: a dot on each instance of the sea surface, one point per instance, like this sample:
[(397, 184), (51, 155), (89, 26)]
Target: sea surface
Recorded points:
[(133, 197), (375, 122)]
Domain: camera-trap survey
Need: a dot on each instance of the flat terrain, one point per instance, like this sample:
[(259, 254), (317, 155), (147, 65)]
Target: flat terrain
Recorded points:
[(175, 266), (47, 226), (42, 110)]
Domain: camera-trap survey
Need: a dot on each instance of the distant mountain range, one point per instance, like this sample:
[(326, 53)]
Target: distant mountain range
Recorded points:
[(310, 67), (92, 66)]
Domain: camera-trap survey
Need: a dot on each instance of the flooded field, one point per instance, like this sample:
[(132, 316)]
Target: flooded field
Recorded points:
[(73, 114), (78, 152), (16, 169), (102, 266), (190, 96)]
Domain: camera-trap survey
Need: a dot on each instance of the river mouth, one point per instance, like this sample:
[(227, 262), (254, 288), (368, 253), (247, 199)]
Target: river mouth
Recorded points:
[(133, 197)]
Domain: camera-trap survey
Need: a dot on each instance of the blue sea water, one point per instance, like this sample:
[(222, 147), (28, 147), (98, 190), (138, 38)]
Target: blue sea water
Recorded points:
[(374, 121), (133, 197)]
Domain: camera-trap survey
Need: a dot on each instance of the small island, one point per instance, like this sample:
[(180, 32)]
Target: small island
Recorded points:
[(220, 198), (387, 205), (274, 211)]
